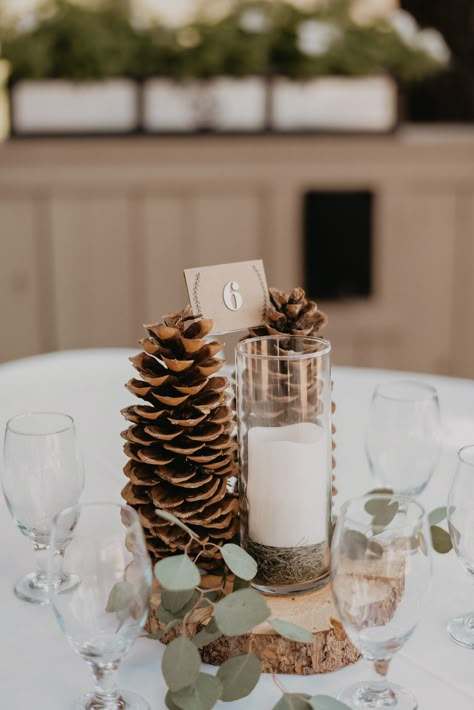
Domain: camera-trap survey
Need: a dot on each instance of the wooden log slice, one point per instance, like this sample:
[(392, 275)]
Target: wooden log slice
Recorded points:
[(314, 611)]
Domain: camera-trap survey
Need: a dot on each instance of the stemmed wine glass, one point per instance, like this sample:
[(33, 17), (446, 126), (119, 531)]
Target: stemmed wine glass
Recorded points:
[(104, 546), (403, 437), (42, 474), (461, 529), (380, 569)]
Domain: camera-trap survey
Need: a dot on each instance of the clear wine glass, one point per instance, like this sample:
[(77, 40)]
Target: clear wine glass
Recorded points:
[(42, 474), (461, 529), (403, 437), (101, 616), (380, 569)]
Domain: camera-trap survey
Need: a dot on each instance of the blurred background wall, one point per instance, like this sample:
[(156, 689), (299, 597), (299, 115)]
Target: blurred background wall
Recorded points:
[(95, 232)]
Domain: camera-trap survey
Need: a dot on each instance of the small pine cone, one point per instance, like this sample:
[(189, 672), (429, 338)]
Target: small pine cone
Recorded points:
[(179, 443)]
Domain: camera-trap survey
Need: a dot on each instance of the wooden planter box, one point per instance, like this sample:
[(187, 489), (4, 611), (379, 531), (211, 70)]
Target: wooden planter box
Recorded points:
[(222, 105), (56, 106), (335, 104)]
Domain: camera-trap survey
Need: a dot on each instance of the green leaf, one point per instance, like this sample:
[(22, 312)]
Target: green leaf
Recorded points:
[(293, 701), (120, 597), (375, 550), (354, 544), (173, 519), (240, 584), (180, 664), (239, 561), (239, 676), (177, 574), (441, 540), (207, 635), (239, 612), (437, 515), (375, 505), (292, 631), (203, 638), (325, 702), (175, 601), (203, 694), (385, 516), (169, 701)]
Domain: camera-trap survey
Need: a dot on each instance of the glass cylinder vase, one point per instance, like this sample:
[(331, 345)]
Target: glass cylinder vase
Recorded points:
[(284, 429)]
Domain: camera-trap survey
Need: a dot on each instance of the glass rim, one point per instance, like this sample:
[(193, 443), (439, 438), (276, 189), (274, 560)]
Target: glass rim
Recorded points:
[(58, 430), (382, 496), (96, 504), (461, 454), (429, 390), (239, 348)]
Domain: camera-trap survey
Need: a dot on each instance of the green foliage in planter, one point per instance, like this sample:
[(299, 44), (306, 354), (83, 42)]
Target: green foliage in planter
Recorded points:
[(73, 42), (256, 37)]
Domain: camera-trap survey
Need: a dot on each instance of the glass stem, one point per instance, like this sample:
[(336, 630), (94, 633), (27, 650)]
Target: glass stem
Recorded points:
[(41, 555), (378, 693), (106, 694)]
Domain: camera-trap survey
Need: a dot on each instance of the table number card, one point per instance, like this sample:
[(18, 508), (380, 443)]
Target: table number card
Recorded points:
[(234, 296)]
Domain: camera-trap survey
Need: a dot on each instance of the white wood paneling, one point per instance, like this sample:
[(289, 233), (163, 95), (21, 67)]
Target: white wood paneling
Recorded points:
[(20, 321), (91, 271)]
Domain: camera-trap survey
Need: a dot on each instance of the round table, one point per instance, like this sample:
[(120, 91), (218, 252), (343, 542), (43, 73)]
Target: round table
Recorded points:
[(38, 669)]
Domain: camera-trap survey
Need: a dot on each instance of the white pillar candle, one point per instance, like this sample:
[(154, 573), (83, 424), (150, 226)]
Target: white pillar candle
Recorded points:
[(287, 486)]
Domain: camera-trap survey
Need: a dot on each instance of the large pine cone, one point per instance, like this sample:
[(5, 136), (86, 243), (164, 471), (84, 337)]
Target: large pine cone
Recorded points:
[(179, 442), (293, 314)]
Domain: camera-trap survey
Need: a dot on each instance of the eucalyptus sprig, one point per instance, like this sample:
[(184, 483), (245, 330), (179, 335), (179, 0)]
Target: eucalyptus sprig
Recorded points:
[(189, 601)]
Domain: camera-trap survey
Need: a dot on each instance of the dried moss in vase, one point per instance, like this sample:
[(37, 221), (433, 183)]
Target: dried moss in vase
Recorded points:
[(288, 565), (179, 443)]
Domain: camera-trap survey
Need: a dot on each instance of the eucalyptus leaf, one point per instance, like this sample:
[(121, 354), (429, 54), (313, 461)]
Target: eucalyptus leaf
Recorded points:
[(294, 701), (169, 701), (240, 584), (157, 636), (120, 597), (437, 515), (292, 631), (166, 617), (385, 516), (175, 601), (177, 574), (375, 549), (375, 505), (380, 492), (203, 638), (354, 544), (173, 519), (239, 676), (325, 702), (202, 694), (441, 540), (239, 561), (180, 664), (239, 612)]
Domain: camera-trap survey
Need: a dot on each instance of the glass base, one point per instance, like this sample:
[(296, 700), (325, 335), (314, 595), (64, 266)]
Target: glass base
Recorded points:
[(360, 697), (297, 588), (33, 589), (461, 630), (126, 701)]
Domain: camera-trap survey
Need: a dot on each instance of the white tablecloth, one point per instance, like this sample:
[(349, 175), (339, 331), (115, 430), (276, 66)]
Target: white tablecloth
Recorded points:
[(38, 669)]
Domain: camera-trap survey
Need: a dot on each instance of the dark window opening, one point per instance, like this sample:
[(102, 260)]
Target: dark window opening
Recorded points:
[(338, 244)]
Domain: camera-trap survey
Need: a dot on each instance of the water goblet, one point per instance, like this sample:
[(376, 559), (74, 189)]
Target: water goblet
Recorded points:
[(380, 570), (101, 616), (42, 474), (461, 530), (403, 438)]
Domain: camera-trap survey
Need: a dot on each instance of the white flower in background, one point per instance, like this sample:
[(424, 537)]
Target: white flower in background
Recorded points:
[(405, 26), (433, 43), (316, 37), (253, 20), (366, 12), (28, 22)]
